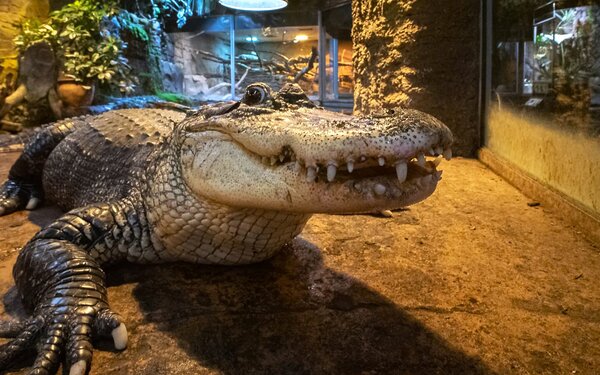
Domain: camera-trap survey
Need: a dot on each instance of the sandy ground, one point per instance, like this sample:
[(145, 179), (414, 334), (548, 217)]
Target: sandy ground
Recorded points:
[(471, 281)]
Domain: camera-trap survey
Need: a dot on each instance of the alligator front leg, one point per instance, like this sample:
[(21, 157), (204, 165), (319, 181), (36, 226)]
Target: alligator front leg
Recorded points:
[(24, 186), (59, 278)]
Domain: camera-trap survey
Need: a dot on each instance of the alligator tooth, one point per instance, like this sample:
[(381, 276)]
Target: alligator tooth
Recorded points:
[(311, 174), (425, 180), (281, 157), (362, 159), (401, 171), (448, 153), (431, 152), (421, 159), (437, 161), (381, 161), (331, 171), (273, 160), (350, 166), (379, 189), (439, 150)]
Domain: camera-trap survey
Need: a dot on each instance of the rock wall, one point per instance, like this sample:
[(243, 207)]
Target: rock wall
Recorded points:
[(12, 11), (421, 54)]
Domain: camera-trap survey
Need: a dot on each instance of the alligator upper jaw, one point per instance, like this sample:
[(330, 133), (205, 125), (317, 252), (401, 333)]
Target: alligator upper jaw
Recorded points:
[(223, 171)]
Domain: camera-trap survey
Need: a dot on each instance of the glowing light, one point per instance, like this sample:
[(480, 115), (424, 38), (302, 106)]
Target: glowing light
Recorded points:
[(251, 39), (301, 37), (254, 5)]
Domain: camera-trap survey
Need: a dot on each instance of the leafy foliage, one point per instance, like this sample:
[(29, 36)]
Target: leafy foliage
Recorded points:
[(180, 8), (81, 42)]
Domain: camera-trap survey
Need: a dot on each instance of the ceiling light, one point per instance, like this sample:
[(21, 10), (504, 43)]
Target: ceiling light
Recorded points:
[(254, 5), (251, 39), (301, 37)]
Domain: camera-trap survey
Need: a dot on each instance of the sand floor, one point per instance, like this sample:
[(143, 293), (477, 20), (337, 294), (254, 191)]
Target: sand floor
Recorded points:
[(471, 281)]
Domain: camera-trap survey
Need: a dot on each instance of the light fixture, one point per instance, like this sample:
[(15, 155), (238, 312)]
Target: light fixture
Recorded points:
[(301, 37), (251, 39), (254, 5)]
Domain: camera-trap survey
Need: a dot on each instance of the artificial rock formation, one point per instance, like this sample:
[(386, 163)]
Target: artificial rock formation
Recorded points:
[(12, 11), (421, 54)]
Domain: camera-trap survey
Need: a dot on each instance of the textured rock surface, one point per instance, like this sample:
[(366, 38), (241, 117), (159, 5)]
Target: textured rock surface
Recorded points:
[(420, 54), (12, 11), (471, 281)]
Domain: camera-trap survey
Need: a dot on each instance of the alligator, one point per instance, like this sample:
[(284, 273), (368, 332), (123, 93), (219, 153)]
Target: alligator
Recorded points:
[(227, 184)]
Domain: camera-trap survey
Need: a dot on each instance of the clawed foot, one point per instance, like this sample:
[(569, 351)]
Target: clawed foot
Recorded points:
[(62, 334), (16, 196)]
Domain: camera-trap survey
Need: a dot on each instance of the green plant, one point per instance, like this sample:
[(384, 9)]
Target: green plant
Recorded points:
[(85, 48), (181, 8)]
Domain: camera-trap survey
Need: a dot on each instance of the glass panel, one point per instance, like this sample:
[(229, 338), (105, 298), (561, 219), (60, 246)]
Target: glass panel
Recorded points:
[(339, 77), (546, 61), (204, 57), (276, 52)]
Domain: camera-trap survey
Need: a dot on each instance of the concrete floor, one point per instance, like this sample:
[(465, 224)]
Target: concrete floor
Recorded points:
[(471, 281)]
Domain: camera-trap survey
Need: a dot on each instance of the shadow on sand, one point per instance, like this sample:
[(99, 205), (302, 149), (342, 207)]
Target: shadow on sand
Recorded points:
[(290, 315)]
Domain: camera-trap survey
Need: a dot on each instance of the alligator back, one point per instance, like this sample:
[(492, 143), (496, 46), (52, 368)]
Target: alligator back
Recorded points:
[(106, 155)]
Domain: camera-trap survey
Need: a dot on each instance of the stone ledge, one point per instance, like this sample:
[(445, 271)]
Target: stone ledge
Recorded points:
[(564, 206)]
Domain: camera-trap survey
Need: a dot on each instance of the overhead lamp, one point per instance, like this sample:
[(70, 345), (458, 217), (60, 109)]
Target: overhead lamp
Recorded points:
[(301, 38), (251, 39), (254, 5)]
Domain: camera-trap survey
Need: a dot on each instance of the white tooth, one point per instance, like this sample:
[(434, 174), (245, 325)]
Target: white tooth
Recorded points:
[(362, 159), (331, 171), (431, 152), (297, 167), (281, 157), (350, 166), (379, 189), (437, 161), (448, 153), (426, 180), (401, 171), (386, 213), (273, 160), (439, 150), (381, 161), (311, 174), (421, 159)]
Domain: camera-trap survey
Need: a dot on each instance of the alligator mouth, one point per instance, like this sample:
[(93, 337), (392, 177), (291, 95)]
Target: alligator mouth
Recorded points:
[(382, 172)]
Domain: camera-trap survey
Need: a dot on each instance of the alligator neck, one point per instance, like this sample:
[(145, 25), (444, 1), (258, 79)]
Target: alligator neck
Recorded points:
[(194, 229)]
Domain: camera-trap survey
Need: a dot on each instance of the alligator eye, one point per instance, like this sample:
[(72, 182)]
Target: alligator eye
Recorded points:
[(255, 94)]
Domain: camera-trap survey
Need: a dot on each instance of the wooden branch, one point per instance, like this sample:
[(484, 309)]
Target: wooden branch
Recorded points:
[(311, 64)]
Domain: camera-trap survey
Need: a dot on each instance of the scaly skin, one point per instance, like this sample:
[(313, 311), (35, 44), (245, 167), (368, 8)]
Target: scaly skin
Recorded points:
[(228, 184)]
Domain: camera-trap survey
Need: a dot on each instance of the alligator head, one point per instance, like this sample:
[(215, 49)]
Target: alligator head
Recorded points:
[(281, 152)]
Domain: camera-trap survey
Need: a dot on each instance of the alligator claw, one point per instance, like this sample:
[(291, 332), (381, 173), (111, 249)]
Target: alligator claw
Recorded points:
[(61, 333), (16, 196)]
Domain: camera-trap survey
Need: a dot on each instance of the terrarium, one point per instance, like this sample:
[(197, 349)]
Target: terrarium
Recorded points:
[(561, 53)]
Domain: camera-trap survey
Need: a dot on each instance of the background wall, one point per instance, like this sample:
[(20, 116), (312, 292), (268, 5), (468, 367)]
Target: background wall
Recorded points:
[(12, 11), (422, 54), (565, 160)]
